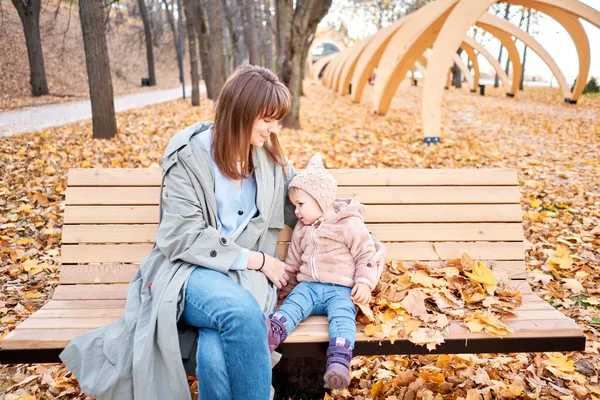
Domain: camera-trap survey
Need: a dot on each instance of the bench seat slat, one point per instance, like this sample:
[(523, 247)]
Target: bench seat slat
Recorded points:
[(344, 177), (410, 232), (134, 253), (149, 195), (50, 336), (119, 291), (122, 273), (373, 213)]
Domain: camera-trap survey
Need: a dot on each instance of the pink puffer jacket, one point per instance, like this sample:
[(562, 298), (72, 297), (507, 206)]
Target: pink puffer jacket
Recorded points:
[(334, 250)]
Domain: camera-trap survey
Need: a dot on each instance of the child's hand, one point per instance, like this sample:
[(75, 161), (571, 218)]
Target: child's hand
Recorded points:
[(361, 293)]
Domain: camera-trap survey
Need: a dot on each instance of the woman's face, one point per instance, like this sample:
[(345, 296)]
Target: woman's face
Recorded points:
[(262, 129)]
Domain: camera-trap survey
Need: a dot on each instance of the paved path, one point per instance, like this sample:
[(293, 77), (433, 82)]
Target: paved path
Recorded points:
[(12, 123)]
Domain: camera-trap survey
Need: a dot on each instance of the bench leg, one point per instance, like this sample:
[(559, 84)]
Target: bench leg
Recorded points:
[(300, 378)]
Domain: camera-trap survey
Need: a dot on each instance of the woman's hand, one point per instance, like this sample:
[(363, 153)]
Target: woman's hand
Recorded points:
[(361, 293), (379, 258), (276, 271)]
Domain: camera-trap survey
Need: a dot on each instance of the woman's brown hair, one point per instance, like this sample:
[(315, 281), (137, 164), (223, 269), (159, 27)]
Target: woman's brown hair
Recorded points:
[(249, 93)]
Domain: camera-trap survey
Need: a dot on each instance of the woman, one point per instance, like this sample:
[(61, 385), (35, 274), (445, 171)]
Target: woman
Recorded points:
[(212, 273)]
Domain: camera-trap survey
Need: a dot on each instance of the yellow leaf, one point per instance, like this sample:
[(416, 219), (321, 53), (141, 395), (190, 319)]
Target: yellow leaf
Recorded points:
[(24, 241), (377, 389), (482, 274), (535, 203), (367, 311), (50, 170), (435, 377), (371, 330), (560, 362), (388, 315), (32, 295)]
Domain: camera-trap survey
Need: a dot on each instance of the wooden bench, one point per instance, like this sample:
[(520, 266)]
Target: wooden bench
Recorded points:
[(111, 217)]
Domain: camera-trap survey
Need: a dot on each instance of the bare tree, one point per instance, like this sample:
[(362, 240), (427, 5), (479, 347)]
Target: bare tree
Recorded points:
[(497, 78), (216, 48), (189, 7), (267, 33), (148, 36), (296, 25), (204, 46), (521, 84), (177, 32), (29, 13), (250, 30), (93, 27), (233, 33)]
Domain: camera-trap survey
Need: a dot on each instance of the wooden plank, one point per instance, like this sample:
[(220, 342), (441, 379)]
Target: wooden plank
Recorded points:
[(109, 233), (119, 291), (344, 177), (540, 312), (412, 232), (134, 253), (122, 273), (149, 195), (373, 213), (530, 302), (40, 338)]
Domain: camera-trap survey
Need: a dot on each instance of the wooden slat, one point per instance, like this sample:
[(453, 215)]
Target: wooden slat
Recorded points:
[(424, 251), (411, 232), (533, 311), (119, 291), (344, 177), (530, 302), (149, 195), (122, 273), (373, 213)]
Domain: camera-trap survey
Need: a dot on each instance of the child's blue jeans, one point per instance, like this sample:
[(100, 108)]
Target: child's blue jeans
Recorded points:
[(311, 298)]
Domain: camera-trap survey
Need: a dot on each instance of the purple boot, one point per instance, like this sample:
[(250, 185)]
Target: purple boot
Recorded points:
[(339, 355), (277, 332)]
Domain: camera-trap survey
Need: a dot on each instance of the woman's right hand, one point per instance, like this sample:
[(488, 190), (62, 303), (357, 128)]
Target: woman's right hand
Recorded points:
[(275, 270)]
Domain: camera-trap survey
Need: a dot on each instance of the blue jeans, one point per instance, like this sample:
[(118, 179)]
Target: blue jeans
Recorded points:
[(311, 298), (233, 360)]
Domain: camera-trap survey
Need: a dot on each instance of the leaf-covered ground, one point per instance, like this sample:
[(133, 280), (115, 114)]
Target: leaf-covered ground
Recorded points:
[(555, 148)]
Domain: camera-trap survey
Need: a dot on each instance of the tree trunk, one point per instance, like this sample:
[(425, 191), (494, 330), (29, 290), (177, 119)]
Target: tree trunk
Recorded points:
[(177, 38), (268, 34), (91, 14), (233, 34), (522, 83), (148, 36), (190, 22), (296, 27), (204, 47), (497, 78), (29, 12), (216, 46), (250, 37), (236, 16)]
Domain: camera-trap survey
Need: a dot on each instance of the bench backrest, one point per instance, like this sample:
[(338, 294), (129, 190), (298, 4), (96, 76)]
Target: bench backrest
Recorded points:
[(111, 217)]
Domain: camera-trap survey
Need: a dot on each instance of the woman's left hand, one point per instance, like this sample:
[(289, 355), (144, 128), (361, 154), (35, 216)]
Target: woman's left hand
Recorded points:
[(380, 256)]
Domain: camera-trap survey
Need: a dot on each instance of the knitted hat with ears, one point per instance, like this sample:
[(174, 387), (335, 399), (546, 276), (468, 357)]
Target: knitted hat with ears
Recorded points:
[(316, 181)]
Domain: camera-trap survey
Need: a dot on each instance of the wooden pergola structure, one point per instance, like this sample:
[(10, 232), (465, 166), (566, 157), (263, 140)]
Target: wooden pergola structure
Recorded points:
[(428, 39)]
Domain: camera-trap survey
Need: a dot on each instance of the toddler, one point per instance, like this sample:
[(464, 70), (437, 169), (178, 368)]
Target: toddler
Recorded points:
[(330, 250)]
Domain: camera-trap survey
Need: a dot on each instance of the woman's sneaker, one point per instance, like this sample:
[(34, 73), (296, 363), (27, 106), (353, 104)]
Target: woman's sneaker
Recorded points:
[(277, 332), (339, 355)]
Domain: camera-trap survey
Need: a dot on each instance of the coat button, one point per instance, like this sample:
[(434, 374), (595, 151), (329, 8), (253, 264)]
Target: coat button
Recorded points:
[(213, 254), (223, 240), (241, 212)]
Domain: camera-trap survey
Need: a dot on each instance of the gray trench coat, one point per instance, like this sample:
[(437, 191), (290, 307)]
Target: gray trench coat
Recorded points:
[(140, 356)]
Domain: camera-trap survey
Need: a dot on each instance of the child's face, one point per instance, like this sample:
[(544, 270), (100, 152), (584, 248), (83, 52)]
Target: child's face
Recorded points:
[(307, 208)]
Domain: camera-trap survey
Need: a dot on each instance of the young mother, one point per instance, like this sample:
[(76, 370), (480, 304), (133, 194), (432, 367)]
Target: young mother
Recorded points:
[(201, 293)]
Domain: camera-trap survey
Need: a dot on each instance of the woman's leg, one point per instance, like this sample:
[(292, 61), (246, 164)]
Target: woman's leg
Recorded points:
[(211, 368), (214, 301)]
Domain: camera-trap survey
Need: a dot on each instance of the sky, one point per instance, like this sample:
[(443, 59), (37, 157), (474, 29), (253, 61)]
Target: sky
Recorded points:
[(550, 34)]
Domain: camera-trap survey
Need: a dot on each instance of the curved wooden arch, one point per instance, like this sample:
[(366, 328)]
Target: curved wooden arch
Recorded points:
[(370, 57), (346, 61), (338, 68), (461, 65), (316, 69), (405, 47), (469, 41), (461, 17), (513, 55), (475, 63), (330, 71), (348, 70), (500, 23)]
